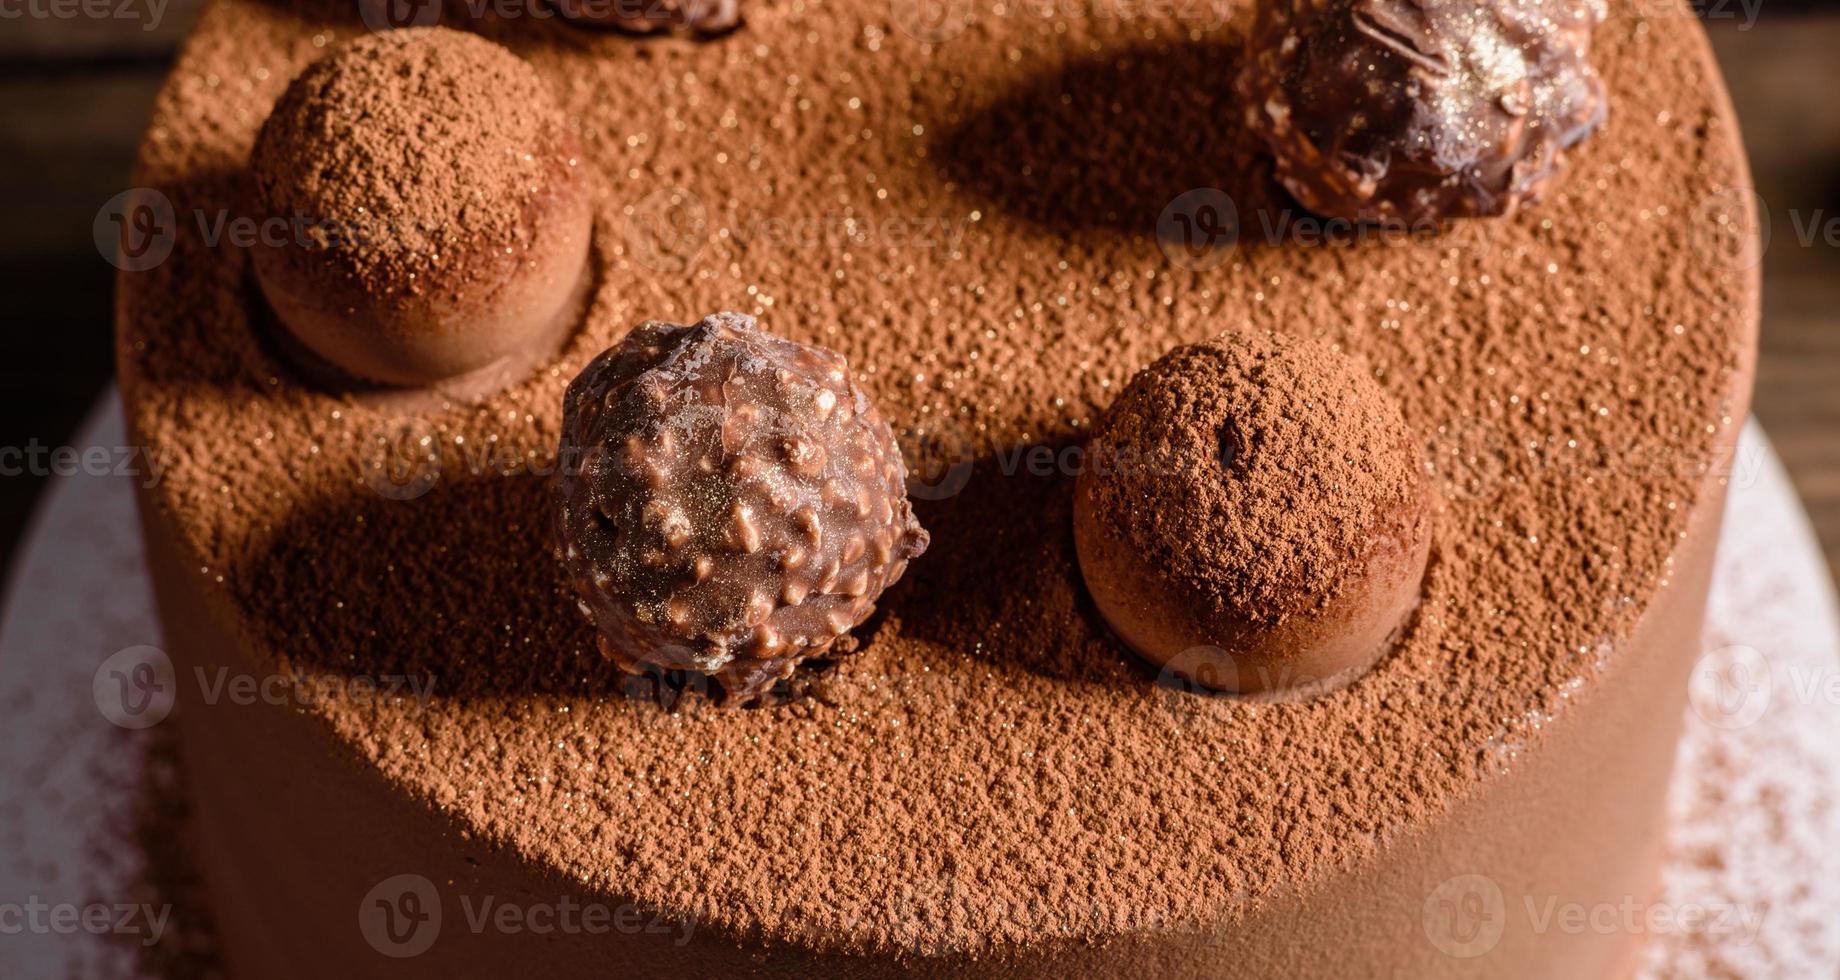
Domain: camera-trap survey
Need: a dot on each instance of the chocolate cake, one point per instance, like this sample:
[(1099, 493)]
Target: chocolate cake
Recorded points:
[(991, 218)]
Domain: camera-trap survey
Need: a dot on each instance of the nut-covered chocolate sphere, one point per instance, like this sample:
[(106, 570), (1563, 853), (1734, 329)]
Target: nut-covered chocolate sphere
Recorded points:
[(1408, 112), (426, 214), (728, 502), (1254, 514), (703, 18)]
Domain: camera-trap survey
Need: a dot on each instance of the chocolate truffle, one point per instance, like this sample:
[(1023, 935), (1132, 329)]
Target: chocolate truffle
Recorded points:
[(1254, 514), (429, 210), (1408, 112), (728, 502), (703, 18)]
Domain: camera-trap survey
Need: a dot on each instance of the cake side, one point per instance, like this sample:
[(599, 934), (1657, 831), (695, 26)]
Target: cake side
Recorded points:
[(1576, 372)]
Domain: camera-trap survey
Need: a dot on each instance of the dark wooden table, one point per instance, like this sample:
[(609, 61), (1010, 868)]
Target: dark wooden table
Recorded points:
[(74, 96)]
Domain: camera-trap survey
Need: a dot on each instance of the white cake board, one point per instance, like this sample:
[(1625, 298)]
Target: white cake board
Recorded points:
[(1752, 888)]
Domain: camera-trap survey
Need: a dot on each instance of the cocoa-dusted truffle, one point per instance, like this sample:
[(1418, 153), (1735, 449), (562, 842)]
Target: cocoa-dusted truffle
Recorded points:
[(728, 502), (429, 210), (1408, 112), (1254, 514), (702, 18)]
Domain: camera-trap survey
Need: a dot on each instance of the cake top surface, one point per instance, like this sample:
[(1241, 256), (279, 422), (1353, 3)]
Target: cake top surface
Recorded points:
[(969, 212)]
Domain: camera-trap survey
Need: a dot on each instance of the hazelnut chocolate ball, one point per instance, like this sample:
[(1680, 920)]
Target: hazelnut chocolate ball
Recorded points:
[(702, 18), (1409, 112), (426, 213), (728, 502), (1255, 514)]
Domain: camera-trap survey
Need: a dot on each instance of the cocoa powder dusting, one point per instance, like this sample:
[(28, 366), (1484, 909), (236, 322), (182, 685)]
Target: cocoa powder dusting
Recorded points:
[(971, 223), (403, 200), (1207, 443)]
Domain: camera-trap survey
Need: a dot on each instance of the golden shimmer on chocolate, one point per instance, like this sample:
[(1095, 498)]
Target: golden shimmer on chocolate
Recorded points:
[(728, 502), (1409, 112), (1254, 514)]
